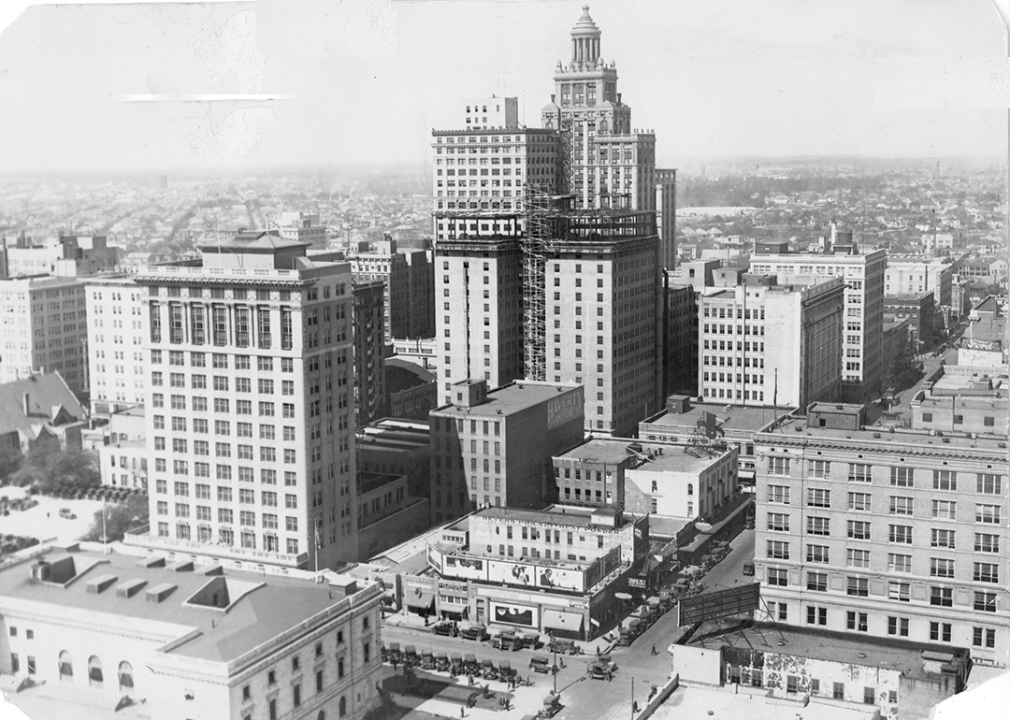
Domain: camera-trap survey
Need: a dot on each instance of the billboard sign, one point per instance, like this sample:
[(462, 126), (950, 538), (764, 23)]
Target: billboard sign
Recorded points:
[(462, 567), (511, 573), (512, 614), (719, 604), (561, 579)]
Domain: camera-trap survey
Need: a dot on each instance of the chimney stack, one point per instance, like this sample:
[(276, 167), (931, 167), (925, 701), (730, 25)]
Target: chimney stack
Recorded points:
[(27, 405)]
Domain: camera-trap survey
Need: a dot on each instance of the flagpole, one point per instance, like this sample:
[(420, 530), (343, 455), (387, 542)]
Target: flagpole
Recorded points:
[(105, 535)]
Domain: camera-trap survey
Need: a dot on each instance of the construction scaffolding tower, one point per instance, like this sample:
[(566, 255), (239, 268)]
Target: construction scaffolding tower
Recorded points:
[(536, 244)]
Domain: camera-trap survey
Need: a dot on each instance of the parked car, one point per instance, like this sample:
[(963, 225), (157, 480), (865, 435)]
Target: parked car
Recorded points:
[(445, 628), (542, 664), (67, 514), (475, 632), (506, 641)]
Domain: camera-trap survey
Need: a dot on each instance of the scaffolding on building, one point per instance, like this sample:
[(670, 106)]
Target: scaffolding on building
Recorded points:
[(536, 244)]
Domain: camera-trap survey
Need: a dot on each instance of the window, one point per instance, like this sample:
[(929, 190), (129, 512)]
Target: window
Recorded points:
[(858, 530), (900, 591), (778, 466), (859, 472), (900, 505), (989, 484), (986, 572), (869, 696), (945, 509), (66, 665), (778, 576), (817, 615), (778, 550), (817, 582), (838, 691), (857, 558), (818, 526), (941, 596), (980, 637), (857, 587), (820, 469), (987, 514), (985, 602), (941, 538), (986, 542), (817, 554), (859, 502), (778, 522), (858, 621), (940, 631), (778, 494), (897, 626), (899, 563), (901, 477), (817, 497), (296, 694), (900, 534), (941, 567), (944, 480)]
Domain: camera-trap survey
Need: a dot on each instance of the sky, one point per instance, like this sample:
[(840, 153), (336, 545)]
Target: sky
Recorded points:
[(163, 87)]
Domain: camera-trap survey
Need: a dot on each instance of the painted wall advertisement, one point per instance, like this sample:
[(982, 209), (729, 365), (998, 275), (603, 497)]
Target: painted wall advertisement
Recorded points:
[(511, 614), (565, 408), (511, 573)]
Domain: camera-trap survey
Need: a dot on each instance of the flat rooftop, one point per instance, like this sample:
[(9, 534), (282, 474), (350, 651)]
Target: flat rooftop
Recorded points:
[(889, 654), (263, 605), (745, 418), (510, 399), (879, 438), (554, 515), (655, 456)]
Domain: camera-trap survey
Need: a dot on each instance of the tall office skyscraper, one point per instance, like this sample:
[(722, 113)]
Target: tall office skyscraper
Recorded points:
[(117, 370), (249, 420), (510, 257)]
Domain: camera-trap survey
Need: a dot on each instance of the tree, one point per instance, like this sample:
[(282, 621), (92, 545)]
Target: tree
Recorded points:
[(10, 461), (119, 519), (47, 469)]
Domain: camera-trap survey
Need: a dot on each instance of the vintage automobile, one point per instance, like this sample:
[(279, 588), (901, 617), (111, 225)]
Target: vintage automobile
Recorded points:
[(506, 641), (487, 669), (505, 670), (442, 663), (445, 628), (600, 671), (471, 666), (564, 647), (542, 664), (410, 656), (427, 660), (456, 664), (475, 632)]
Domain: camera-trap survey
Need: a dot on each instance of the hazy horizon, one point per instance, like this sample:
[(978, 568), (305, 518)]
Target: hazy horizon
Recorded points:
[(322, 86)]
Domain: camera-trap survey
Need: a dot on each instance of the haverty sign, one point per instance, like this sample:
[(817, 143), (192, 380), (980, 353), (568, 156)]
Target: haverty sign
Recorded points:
[(565, 408)]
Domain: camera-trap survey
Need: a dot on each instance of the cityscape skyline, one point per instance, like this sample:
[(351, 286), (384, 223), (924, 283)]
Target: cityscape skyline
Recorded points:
[(810, 80)]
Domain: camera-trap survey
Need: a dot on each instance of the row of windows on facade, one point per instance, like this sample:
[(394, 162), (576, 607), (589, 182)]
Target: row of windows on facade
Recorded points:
[(245, 407), (312, 294), (247, 518), (986, 484), (754, 677), (856, 558), (225, 330), (226, 536), (897, 626), (945, 480)]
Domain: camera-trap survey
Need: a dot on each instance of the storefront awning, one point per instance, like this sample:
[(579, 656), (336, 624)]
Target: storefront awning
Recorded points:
[(561, 620), (423, 600)]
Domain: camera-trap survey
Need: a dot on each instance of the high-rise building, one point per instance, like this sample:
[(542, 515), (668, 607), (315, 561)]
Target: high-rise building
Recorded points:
[(45, 329), (302, 227), (602, 311), (899, 532), (409, 294), (612, 165), (495, 448), (862, 340), (666, 216), (483, 171), (250, 424), (369, 352), (492, 112), (765, 344), (117, 329), (479, 296), (65, 255)]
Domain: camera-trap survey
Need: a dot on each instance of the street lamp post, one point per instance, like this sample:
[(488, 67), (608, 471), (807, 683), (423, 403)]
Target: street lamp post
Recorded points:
[(554, 649), (632, 698)]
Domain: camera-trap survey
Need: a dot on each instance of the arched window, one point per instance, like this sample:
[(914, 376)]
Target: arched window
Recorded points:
[(94, 670), (125, 676), (690, 488), (66, 666), (321, 715), (343, 706)]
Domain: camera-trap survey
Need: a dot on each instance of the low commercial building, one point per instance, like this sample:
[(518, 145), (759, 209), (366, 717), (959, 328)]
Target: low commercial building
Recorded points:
[(413, 391), (387, 512), (684, 421), (809, 670), (495, 448), (554, 571), (662, 479), (124, 464), (919, 310), (963, 404), (188, 639)]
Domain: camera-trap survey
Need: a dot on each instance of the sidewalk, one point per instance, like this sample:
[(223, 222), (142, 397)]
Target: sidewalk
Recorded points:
[(598, 645)]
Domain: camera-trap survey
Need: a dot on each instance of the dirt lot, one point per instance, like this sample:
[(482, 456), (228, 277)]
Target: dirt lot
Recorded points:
[(43, 520)]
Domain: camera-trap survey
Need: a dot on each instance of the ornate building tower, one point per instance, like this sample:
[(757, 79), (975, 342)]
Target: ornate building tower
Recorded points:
[(608, 164)]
